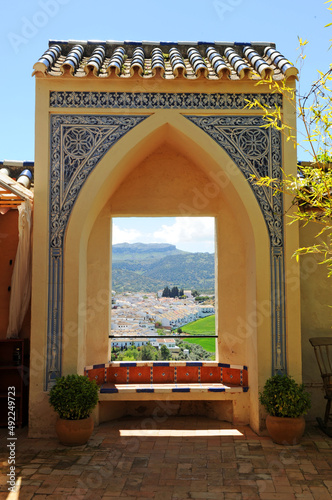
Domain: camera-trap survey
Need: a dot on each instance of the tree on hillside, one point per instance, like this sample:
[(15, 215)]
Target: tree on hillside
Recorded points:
[(130, 354), (311, 189), (202, 298), (196, 351), (174, 292), (148, 353), (165, 353)]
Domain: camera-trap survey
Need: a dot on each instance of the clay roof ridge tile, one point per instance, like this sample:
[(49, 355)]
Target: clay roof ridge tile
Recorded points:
[(116, 62), (240, 66), (257, 62), (281, 62), (47, 60), (217, 62), (177, 62), (197, 62), (137, 63), (158, 62), (96, 60), (214, 60), (72, 61)]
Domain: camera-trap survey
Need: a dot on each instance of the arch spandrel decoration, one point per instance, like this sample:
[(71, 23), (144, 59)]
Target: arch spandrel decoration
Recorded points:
[(257, 152), (78, 142)]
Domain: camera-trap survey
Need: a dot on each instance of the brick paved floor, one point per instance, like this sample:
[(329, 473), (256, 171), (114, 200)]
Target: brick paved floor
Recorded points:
[(176, 458)]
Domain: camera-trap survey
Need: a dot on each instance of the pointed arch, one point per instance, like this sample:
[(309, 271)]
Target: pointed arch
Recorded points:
[(246, 331)]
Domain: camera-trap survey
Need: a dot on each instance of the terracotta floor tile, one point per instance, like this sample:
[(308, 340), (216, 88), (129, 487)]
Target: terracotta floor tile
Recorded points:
[(320, 493), (181, 465), (277, 496)]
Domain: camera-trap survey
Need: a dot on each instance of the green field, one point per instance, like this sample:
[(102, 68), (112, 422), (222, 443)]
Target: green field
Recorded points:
[(203, 326)]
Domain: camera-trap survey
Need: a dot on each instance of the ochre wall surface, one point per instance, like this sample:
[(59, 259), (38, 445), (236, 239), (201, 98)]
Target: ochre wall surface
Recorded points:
[(166, 165), (316, 316), (8, 247)]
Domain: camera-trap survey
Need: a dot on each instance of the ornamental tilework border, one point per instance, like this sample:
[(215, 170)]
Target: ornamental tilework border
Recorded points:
[(156, 100), (257, 152), (78, 142)]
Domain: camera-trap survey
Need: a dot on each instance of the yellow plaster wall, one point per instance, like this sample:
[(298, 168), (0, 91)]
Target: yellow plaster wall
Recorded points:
[(180, 168), (99, 291), (41, 418), (291, 243), (165, 183), (169, 180), (316, 316)]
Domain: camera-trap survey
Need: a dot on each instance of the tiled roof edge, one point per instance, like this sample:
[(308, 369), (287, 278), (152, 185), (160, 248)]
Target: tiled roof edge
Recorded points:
[(129, 45), (15, 163), (17, 167)]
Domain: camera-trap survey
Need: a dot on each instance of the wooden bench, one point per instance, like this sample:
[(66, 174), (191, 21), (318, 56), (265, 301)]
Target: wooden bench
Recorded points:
[(130, 380), (217, 390)]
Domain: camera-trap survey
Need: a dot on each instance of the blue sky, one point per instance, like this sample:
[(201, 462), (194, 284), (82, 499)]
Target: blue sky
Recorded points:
[(28, 25)]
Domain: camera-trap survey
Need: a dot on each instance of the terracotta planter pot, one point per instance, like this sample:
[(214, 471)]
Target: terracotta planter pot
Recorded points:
[(285, 430), (74, 432)]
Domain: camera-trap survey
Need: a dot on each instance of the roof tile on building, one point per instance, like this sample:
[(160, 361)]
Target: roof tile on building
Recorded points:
[(16, 186), (168, 60)]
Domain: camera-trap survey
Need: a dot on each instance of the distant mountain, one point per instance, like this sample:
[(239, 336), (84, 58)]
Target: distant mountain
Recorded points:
[(150, 267), (140, 251)]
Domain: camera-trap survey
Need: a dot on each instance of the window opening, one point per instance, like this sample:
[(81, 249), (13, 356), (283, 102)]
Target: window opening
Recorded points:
[(163, 289)]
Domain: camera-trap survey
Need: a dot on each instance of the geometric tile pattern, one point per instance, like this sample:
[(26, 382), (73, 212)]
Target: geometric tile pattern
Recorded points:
[(169, 377), (77, 144), (257, 153), (157, 100)]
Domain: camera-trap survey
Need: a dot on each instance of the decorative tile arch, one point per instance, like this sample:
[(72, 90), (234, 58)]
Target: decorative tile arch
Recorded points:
[(78, 142), (257, 152)]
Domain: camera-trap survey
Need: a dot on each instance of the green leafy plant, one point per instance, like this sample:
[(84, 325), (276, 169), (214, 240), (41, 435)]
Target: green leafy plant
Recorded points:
[(74, 397), (283, 397), (311, 189)]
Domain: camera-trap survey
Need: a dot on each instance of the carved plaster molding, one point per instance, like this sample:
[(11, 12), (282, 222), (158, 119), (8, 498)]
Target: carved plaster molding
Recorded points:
[(156, 100), (257, 152), (78, 142)]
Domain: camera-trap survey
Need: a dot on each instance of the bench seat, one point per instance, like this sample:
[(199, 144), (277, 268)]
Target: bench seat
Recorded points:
[(168, 388), (135, 380), (150, 388)]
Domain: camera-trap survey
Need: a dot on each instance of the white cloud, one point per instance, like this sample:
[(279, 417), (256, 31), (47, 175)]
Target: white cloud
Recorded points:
[(189, 233), (125, 235), (192, 234)]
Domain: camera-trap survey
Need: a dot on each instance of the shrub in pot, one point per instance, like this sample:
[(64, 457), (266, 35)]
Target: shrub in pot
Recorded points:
[(285, 402), (74, 397)]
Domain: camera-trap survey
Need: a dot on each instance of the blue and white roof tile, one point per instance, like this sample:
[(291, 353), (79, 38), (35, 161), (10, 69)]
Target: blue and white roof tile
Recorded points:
[(168, 60), (16, 183)]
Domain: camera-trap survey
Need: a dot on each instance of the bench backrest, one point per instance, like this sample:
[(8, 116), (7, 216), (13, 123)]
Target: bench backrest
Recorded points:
[(154, 372)]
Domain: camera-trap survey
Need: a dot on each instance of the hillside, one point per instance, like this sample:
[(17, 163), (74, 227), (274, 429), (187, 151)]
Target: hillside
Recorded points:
[(150, 267), (143, 251)]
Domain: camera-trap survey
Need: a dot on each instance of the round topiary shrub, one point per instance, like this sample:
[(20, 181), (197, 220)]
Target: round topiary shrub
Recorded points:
[(74, 397), (283, 397)]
